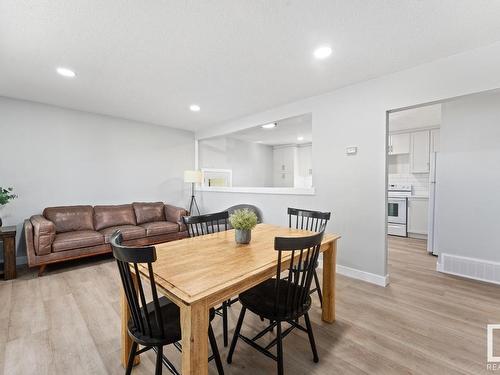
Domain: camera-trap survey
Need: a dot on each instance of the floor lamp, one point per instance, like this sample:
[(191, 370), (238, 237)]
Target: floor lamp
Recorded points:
[(192, 177)]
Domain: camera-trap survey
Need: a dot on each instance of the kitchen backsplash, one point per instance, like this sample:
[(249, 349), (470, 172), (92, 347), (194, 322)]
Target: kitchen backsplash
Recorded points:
[(420, 182)]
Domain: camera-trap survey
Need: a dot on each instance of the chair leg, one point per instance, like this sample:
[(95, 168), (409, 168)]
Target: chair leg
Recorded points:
[(159, 363), (131, 357), (311, 338), (215, 350), (318, 288), (279, 348), (236, 334), (224, 322)]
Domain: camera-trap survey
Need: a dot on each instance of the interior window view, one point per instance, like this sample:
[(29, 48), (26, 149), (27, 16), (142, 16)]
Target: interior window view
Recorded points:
[(249, 187), (275, 154)]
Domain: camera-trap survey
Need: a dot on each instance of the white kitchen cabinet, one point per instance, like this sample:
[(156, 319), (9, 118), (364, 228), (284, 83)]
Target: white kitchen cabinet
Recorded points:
[(417, 215), (284, 166), (283, 180), (419, 152), (284, 159), (399, 144), (435, 146)]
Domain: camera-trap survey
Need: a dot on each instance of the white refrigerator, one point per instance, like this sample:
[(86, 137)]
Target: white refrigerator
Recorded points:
[(431, 232)]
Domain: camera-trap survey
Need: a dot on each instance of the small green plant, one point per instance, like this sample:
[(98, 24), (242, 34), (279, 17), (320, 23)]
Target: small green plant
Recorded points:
[(6, 195), (243, 219)]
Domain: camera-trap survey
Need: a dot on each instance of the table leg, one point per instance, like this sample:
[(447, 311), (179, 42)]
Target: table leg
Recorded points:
[(329, 266), (194, 327), (126, 341), (9, 251)]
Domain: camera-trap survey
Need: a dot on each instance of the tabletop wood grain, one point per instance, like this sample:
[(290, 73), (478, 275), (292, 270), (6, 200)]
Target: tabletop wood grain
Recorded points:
[(193, 268)]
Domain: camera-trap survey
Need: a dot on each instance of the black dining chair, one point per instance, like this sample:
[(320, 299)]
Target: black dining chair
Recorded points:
[(314, 221), (155, 324), (282, 299), (206, 224)]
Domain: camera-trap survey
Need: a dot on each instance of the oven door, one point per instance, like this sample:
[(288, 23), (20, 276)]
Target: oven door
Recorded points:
[(396, 210)]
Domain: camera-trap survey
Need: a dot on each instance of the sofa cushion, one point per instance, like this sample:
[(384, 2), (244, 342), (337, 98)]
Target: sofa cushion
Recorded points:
[(77, 240), (149, 212), (160, 227), (70, 218), (111, 216), (129, 232)]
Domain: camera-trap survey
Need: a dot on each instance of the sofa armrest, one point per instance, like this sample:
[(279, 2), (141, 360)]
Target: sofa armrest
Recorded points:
[(44, 233), (175, 214), (28, 237)]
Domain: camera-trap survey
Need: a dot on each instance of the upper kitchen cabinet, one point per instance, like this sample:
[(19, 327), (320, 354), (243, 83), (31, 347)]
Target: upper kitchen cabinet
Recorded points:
[(419, 151), (399, 144), (284, 159), (435, 140)]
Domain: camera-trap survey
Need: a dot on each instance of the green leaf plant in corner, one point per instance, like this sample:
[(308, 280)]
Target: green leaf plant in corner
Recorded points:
[(6, 195)]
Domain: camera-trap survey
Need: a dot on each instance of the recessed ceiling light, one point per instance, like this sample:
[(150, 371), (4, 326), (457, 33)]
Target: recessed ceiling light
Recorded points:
[(269, 126), (300, 138), (65, 72), (194, 107), (258, 142), (322, 52)]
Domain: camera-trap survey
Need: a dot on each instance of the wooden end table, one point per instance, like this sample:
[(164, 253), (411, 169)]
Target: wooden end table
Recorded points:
[(8, 237)]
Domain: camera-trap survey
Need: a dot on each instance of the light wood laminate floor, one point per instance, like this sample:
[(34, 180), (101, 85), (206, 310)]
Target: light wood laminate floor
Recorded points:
[(424, 322)]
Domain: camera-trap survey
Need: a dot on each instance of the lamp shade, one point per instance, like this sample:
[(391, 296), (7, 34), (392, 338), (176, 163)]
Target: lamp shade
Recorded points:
[(192, 177)]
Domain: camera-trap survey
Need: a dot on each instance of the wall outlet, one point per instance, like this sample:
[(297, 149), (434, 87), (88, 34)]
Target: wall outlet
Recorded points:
[(353, 150)]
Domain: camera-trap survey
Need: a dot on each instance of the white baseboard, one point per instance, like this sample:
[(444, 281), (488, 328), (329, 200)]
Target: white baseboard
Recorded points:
[(471, 268), (362, 275), (419, 236)]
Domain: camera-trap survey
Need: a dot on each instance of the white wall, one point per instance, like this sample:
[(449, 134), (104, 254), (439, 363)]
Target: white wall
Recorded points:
[(53, 156), (468, 179), (251, 163), (353, 187)]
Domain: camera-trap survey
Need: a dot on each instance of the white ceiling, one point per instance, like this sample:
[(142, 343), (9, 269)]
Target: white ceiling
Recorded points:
[(422, 117), (286, 132), (149, 60)]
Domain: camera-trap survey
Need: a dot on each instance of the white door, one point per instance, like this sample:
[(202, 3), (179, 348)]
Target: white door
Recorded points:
[(278, 160), (289, 158), (420, 148)]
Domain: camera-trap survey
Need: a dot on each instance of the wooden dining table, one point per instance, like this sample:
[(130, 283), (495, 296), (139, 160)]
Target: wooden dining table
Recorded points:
[(201, 272)]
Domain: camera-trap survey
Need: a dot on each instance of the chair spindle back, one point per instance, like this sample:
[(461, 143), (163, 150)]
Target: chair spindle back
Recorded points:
[(128, 259), (304, 253), (314, 221), (206, 224)]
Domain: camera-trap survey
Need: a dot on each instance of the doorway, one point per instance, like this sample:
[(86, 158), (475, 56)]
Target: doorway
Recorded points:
[(442, 199)]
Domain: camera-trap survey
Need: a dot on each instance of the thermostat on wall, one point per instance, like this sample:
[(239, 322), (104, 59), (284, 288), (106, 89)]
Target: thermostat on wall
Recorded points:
[(353, 150)]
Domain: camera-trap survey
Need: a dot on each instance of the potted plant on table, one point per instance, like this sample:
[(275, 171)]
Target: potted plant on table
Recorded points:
[(6, 195), (243, 221)]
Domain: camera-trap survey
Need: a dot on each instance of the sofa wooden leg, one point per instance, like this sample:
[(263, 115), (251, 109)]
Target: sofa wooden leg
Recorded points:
[(41, 270)]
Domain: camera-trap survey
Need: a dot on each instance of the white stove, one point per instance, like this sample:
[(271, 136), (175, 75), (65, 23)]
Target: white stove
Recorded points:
[(397, 209)]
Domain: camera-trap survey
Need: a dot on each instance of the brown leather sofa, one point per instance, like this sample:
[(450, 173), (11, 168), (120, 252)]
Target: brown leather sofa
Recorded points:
[(70, 232)]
